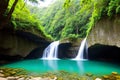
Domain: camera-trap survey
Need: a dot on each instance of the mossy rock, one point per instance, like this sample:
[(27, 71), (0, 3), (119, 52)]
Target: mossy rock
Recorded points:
[(114, 73), (89, 74), (13, 71), (105, 77)]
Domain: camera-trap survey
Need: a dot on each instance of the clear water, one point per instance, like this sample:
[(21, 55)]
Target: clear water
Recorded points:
[(80, 67)]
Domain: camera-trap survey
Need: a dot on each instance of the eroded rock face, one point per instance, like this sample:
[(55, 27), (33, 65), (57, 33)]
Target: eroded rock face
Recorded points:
[(104, 40), (106, 31), (11, 44), (18, 44)]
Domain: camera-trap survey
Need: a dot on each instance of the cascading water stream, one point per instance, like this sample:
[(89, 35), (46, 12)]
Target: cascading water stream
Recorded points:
[(51, 52), (83, 49)]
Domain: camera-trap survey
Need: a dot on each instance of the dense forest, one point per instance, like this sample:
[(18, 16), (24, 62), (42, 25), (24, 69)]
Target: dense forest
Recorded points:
[(63, 19), (74, 18), (15, 15)]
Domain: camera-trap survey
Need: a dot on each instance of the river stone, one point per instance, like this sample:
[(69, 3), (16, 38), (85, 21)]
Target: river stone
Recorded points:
[(114, 73), (2, 75), (2, 78), (98, 79), (36, 78), (12, 78)]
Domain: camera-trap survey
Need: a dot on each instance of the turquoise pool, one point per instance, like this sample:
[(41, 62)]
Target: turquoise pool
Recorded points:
[(80, 67)]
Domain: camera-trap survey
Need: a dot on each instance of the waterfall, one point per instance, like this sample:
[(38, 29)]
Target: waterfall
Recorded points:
[(83, 49), (51, 52)]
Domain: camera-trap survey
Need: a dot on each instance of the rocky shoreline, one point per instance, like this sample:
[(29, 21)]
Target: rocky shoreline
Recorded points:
[(28, 78), (20, 74)]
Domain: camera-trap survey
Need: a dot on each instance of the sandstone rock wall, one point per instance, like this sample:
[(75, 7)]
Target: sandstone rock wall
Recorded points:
[(106, 31), (19, 43)]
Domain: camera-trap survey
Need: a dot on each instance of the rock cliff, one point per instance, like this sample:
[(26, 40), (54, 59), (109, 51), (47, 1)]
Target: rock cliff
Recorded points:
[(106, 31), (104, 40), (18, 44)]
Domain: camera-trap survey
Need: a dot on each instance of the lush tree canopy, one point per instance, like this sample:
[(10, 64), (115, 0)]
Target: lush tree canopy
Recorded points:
[(16, 14), (75, 18), (62, 22), (62, 19)]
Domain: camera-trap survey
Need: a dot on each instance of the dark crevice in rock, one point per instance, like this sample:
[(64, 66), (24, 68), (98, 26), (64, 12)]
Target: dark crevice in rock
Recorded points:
[(63, 50), (36, 53), (104, 53)]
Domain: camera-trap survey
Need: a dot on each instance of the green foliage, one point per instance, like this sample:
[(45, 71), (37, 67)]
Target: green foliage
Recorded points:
[(74, 18), (14, 24), (99, 8), (62, 22), (72, 37), (52, 18), (66, 3), (114, 7), (22, 19), (13, 71)]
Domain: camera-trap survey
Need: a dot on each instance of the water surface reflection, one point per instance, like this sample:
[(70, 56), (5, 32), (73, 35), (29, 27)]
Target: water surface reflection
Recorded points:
[(80, 67)]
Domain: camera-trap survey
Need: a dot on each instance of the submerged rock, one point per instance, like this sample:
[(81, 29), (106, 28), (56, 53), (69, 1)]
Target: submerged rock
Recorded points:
[(114, 73)]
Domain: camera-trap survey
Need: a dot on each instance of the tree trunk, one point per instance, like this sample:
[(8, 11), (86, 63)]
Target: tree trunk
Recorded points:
[(8, 17), (12, 9), (3, 9)]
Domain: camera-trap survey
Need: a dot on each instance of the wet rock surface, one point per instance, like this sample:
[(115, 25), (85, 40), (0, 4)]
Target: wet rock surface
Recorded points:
[(106, 31), (20, 74)]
